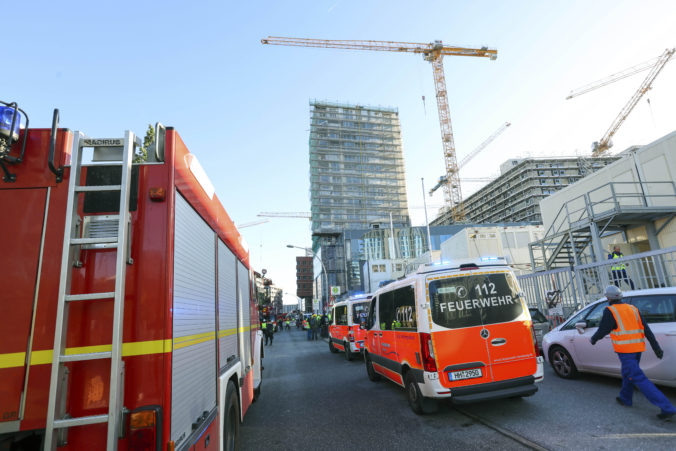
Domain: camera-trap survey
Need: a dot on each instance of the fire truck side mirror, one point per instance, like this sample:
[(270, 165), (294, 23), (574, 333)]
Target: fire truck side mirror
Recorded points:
[(158, 145)]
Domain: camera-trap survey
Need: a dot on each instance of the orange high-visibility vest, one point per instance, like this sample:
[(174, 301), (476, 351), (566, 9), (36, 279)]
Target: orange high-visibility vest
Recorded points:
[(629, 336)]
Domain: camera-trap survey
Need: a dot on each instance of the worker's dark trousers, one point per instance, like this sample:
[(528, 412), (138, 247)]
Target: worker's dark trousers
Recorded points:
[(632, 375), (620, 275)]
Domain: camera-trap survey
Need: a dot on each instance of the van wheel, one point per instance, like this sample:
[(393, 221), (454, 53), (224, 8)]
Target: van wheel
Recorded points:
[(419, 404), (373, 376), (331, 347), (231, 420), (562, 363), (348, 352)]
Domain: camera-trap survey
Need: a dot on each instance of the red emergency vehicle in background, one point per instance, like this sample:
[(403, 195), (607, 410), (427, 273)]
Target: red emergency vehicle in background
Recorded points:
[(127, 309), (345, 333)]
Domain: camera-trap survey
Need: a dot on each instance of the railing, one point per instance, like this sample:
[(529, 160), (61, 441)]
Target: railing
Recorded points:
[(558, 293), (602, 202)]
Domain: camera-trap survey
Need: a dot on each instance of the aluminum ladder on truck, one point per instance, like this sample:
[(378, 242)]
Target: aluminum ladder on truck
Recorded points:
[(122, 150)]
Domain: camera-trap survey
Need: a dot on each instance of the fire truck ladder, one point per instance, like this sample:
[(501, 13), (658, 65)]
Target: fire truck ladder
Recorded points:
[(57, 418)]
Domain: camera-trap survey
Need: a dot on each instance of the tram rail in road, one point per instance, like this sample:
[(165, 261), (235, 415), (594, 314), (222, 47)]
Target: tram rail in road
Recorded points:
[(506, 432)]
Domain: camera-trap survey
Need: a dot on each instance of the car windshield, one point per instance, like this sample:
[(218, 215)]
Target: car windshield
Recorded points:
[(536, 316), (474, 299), (359, 312)]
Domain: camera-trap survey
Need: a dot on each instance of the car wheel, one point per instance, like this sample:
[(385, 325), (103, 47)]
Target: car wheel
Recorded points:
[(373, 376), (418, 403), (231, 420), (348, 352), (562, 363), (331, 347)]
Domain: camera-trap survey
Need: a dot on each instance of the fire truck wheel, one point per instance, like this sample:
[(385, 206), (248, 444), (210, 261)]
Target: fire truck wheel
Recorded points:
[(231, 420), (332, 348), (348, 352), (373, 376), (419, 404)]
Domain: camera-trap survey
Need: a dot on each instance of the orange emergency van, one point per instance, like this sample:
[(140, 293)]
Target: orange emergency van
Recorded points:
[(345, 333), (460, 331)]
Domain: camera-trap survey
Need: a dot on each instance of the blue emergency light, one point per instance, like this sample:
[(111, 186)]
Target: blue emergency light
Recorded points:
[(11, 119), (9, 116)]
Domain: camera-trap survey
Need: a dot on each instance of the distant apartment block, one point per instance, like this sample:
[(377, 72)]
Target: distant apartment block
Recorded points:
[(515, 195), (304, 280)]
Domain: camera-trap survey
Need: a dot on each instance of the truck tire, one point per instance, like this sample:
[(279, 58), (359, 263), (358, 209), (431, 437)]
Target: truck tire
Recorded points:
[(371, 373), (418, 403), (332, 348), (231, 420)]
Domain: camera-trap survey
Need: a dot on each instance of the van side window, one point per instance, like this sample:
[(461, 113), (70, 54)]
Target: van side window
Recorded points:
[(371, 318), (386, 310), (341, 315), (404, 309)]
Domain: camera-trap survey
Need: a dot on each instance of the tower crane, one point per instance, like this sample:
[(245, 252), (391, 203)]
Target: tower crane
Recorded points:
[(252, 223), (434, 53), (443, 179), (599, 148), (617, 76)]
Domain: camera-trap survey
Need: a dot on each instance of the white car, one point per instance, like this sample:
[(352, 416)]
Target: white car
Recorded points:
[(568, 350)]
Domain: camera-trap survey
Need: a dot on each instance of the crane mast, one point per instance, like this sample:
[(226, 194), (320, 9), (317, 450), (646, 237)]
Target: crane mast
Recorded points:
[(433, 53)]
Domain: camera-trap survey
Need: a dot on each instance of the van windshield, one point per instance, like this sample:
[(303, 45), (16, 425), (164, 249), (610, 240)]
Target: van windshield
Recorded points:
[(473, 300), (359, 312)]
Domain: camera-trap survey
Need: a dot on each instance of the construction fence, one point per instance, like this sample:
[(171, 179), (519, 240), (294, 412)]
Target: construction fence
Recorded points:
[(558, 293)]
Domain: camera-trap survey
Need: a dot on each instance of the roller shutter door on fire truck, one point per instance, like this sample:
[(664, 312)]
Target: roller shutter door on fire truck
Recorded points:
[(227, 306), (193, 372), (245, 305)]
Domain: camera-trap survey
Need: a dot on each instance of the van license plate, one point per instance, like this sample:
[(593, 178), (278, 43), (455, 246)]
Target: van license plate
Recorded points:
[(465, 374)]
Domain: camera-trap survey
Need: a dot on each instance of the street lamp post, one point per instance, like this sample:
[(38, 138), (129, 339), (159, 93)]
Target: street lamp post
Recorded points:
[(326, 275)]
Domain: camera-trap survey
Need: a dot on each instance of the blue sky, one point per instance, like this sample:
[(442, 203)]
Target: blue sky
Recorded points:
[(242, 107)]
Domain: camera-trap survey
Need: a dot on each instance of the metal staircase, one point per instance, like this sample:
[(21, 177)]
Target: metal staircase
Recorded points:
[(574, 237), (118, 152)]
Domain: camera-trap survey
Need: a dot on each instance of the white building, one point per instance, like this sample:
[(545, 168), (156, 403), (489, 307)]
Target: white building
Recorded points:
[(630, 202), (510, 242)]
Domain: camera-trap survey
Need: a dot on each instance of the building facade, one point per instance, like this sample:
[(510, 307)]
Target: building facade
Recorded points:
[(515, 196), (357, 178), (304, 280), (373, 256)]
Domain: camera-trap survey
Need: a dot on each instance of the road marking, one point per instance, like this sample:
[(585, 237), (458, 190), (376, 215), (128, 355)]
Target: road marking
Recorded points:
[(640, 435)]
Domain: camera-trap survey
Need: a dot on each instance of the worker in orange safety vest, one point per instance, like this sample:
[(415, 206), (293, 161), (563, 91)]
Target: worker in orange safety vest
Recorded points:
[(628, 333)]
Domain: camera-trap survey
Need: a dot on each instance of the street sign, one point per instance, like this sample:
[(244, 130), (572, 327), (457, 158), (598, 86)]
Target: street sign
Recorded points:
[(335, 291), (315, 304)]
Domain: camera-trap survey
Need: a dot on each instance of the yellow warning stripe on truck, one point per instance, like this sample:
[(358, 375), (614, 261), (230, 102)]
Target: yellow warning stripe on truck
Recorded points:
[(43, 357)]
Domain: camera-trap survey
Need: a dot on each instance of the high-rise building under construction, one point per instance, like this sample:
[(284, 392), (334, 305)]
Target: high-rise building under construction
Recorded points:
[(356, 177), (356, 168)]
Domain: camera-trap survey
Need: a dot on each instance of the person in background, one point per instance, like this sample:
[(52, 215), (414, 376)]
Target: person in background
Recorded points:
[(619, 270), (314, 326), (628, 332), (267, 332)]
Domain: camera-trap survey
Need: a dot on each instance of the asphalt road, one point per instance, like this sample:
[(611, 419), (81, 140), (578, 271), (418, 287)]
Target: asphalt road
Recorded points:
[(312, 399)]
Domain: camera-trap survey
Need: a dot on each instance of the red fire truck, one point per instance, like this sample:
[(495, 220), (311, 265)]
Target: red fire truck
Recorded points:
[(127, 313)]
